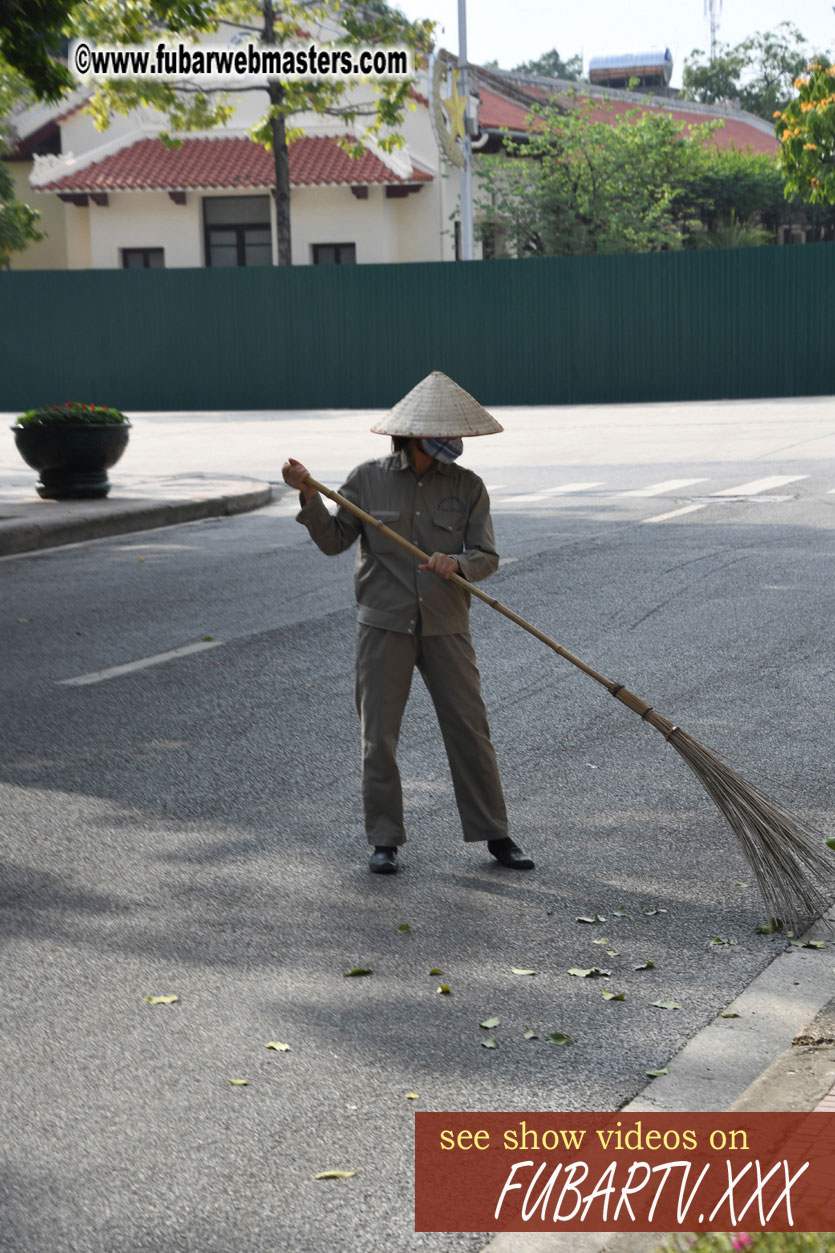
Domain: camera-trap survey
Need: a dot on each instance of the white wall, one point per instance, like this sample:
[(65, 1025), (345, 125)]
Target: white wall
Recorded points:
[(51, 252), (146, 219)]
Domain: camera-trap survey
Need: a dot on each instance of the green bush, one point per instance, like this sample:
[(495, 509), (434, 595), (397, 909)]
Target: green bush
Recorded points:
[(71, 411)]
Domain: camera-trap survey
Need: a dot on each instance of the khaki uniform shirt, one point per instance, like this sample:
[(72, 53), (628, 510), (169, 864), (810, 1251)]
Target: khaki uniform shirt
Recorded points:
[(445, 511)]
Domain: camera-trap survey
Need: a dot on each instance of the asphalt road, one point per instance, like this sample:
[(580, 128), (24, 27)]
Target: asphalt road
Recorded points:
[(194, 828)]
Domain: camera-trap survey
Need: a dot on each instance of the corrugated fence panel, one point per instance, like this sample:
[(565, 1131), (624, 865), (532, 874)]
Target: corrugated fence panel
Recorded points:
[(665, 326)]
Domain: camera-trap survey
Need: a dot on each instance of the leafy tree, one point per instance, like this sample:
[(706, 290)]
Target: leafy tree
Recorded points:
[(585, 185), (806, 127), (581, 184), (551, 65), (759, 71), (31, 32)]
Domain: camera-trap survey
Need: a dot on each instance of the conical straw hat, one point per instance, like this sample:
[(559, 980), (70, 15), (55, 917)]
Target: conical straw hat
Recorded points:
[(437, 407)]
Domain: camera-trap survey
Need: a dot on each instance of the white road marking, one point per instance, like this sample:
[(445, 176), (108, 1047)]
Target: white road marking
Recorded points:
[(547, 493), (493, 487), (571, 487), (675, 513), (760, 485), (143, 664), (658, 489)]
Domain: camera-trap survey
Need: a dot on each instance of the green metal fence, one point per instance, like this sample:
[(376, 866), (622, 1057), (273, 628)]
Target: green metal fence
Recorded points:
[(666, 326)]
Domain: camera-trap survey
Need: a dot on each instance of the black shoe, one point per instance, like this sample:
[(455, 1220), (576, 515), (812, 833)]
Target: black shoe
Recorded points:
[(510, 854), (384, 860)]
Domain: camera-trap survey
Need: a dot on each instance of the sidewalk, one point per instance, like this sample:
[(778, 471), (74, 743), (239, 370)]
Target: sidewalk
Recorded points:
[(135, 503)]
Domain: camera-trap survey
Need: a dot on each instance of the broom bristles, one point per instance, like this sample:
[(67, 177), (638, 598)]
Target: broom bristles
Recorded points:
[(792, 864)]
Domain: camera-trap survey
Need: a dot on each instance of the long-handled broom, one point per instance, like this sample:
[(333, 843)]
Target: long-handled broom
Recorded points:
[(790, 860)]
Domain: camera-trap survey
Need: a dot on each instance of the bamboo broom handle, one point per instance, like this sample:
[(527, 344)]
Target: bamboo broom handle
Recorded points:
[(617, 690)]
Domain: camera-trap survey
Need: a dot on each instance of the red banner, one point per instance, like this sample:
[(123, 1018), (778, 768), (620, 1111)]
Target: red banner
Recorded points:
[(625, 1172)]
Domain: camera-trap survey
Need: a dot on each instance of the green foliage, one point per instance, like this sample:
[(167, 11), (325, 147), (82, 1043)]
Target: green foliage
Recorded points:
[(637, 183), (190, 108), (806, 127), (758, 72), (30, 34), (18, 221), (71, 411), (551, 65)]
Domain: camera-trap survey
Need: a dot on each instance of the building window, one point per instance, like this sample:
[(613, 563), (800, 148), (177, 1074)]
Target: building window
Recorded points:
[(143, 259), (334, 254), (238, 230)]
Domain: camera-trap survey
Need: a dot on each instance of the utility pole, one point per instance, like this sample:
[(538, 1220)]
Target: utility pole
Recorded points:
[(467, 167)]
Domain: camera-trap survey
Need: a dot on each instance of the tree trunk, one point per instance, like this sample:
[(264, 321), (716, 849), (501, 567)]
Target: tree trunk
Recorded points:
[(281, 159)]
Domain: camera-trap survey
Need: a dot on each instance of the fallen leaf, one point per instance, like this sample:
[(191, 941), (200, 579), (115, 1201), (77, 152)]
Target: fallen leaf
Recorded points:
[(444, 989), (351, 1107), (207, 639), (656, 1074), (489, 1022), (592, 918), (770, 928), (601, 940), (718, 939), (613, 996), (729, 1013), (815, 944), (239, 1083), (590, 972), (740, 884), (666, 1004), (24, 619), (649, 912), (529, 1034), (161, 1000), (404, 928), (278, 1046), (644, 966), (436, 971), (358, 970), (141, 558), (612, 952), (830, 839), (517, 970), (411, 1096), (559, 1037), (490, 1043), (620, 912), (335, 1174)]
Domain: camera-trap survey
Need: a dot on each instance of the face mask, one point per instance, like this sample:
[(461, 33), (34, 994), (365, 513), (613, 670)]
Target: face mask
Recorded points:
[(443, 449)]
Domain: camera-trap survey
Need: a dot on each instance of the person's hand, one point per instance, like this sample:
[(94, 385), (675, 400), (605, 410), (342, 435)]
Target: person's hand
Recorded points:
[(294, 474), (441, 564)]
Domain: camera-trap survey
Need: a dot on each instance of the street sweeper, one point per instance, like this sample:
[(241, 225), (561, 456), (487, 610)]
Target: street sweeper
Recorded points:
[(413, 610)]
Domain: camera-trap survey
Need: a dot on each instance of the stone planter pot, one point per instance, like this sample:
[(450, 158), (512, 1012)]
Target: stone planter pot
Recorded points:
[(72, 457)]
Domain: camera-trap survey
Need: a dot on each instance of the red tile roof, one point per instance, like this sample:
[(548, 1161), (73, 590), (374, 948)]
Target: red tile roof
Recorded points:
[(497, 111), (148, 165)]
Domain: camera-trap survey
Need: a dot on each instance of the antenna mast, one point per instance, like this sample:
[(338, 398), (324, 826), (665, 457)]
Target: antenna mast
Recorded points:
[(714, 8)]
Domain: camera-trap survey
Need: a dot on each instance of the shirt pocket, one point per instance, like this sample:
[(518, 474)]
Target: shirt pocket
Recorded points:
[(447, 531), (449, 521)]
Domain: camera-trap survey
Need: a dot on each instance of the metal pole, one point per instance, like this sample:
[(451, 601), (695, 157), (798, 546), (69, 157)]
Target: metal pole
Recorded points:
[(467, 168)]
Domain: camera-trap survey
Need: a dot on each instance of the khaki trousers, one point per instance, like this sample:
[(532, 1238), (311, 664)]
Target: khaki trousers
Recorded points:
[(447, 663)]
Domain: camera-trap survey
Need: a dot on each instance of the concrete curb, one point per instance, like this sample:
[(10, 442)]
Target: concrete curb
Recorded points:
[(778, 1055), (28, 524)]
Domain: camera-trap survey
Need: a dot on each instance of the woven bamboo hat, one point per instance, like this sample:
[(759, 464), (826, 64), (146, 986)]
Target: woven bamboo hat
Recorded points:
[(437, 407)]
